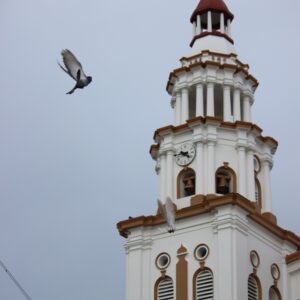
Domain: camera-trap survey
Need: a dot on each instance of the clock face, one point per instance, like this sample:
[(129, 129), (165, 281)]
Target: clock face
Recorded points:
[(185, 154)]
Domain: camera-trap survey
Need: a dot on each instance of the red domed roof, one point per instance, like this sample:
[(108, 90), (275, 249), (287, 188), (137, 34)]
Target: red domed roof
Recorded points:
[(212, 5)]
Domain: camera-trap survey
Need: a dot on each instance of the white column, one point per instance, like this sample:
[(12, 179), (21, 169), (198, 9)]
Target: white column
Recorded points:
[(222, 24), (185, 105), (237, 105), (135, 269), (162, 177), (250, 176), (194, 28), (210, 100), (266, 187), (209, 22), (199, 29), (226, 104), (169, 175), (211, 180), (247, 109), (199, 100), (229, 27), (177, 109), (242, 171), (200, 169)]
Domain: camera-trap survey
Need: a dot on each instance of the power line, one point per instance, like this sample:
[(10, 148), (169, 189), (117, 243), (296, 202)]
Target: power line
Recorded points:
[(15, 281)]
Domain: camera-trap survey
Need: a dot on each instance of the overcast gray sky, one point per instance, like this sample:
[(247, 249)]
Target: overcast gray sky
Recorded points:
[(71, 167)]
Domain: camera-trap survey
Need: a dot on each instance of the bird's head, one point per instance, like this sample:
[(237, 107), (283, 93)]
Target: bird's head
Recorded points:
[(89, 78)]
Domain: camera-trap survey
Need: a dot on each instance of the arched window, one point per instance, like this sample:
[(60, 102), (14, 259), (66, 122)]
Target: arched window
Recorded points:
[(274, 293), (164, 289), (225, 180), (258, 193), (186, 183), (254, 288), (203, 285)]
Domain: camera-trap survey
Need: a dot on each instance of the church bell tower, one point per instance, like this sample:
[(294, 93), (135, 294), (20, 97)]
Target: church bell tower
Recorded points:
[(215, 164)]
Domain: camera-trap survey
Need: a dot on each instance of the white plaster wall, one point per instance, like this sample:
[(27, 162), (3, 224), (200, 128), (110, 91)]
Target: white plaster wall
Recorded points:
[(214, 44), (294, 280), (230, 236), (227, 141)]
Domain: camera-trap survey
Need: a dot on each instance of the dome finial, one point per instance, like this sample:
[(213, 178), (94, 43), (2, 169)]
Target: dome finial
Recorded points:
[(213, 6)]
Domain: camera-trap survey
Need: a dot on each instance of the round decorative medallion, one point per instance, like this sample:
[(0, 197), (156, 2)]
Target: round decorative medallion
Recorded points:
[(254, 258), (275, 272), (162, 261), (201, 252)]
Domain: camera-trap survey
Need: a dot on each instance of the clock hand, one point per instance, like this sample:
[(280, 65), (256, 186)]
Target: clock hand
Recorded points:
[(185, 154)]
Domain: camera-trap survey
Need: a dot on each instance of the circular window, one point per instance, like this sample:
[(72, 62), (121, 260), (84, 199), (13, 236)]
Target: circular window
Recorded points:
[(254, 258), (201, 252), (162, 261), (275, 272), (256, 162)]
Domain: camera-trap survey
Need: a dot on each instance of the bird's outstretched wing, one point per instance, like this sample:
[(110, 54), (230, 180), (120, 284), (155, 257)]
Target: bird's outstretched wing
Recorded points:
[(170, 214), (72, 65)]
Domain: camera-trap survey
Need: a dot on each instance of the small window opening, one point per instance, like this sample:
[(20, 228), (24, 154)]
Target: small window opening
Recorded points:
[(186, 183), (224, 182)]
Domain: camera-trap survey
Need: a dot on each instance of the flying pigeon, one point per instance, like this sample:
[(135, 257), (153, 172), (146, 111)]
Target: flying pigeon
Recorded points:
[(74, 69), (168, 212)]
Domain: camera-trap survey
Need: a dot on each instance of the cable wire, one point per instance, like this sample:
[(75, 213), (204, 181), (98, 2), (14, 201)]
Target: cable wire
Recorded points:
[(15, 281)]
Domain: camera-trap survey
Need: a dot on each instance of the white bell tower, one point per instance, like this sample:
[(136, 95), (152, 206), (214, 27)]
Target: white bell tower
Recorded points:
[(215, 165)]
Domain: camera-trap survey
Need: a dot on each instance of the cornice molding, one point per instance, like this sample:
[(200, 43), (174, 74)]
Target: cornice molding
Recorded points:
[(207, 205), (292, 257), (191, 124)]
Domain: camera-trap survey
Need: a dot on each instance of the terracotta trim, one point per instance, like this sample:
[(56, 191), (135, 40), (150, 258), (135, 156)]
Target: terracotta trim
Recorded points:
[(214, 33), (182, 274), (153, 151), (269, 140), (218, 122), (277, 292), (237, 69), (208, 205), (292, 257), (208, 52)]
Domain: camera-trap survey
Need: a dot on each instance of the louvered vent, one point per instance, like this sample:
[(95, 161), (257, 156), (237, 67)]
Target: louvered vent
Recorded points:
[(204, 286), (252, 289), (165, 289), (272, 295)]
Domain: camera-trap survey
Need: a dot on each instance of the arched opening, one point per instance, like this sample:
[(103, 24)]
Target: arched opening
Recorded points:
[(215, 18), (218, 93), (204, 22), (186, 183), (254, 288), (258, 193), (192, 102), (225, 180), (274, 293), (203, 284), (164, 289)]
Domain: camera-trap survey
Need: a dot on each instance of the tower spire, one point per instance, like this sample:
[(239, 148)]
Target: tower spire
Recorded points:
[(212, 20)]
